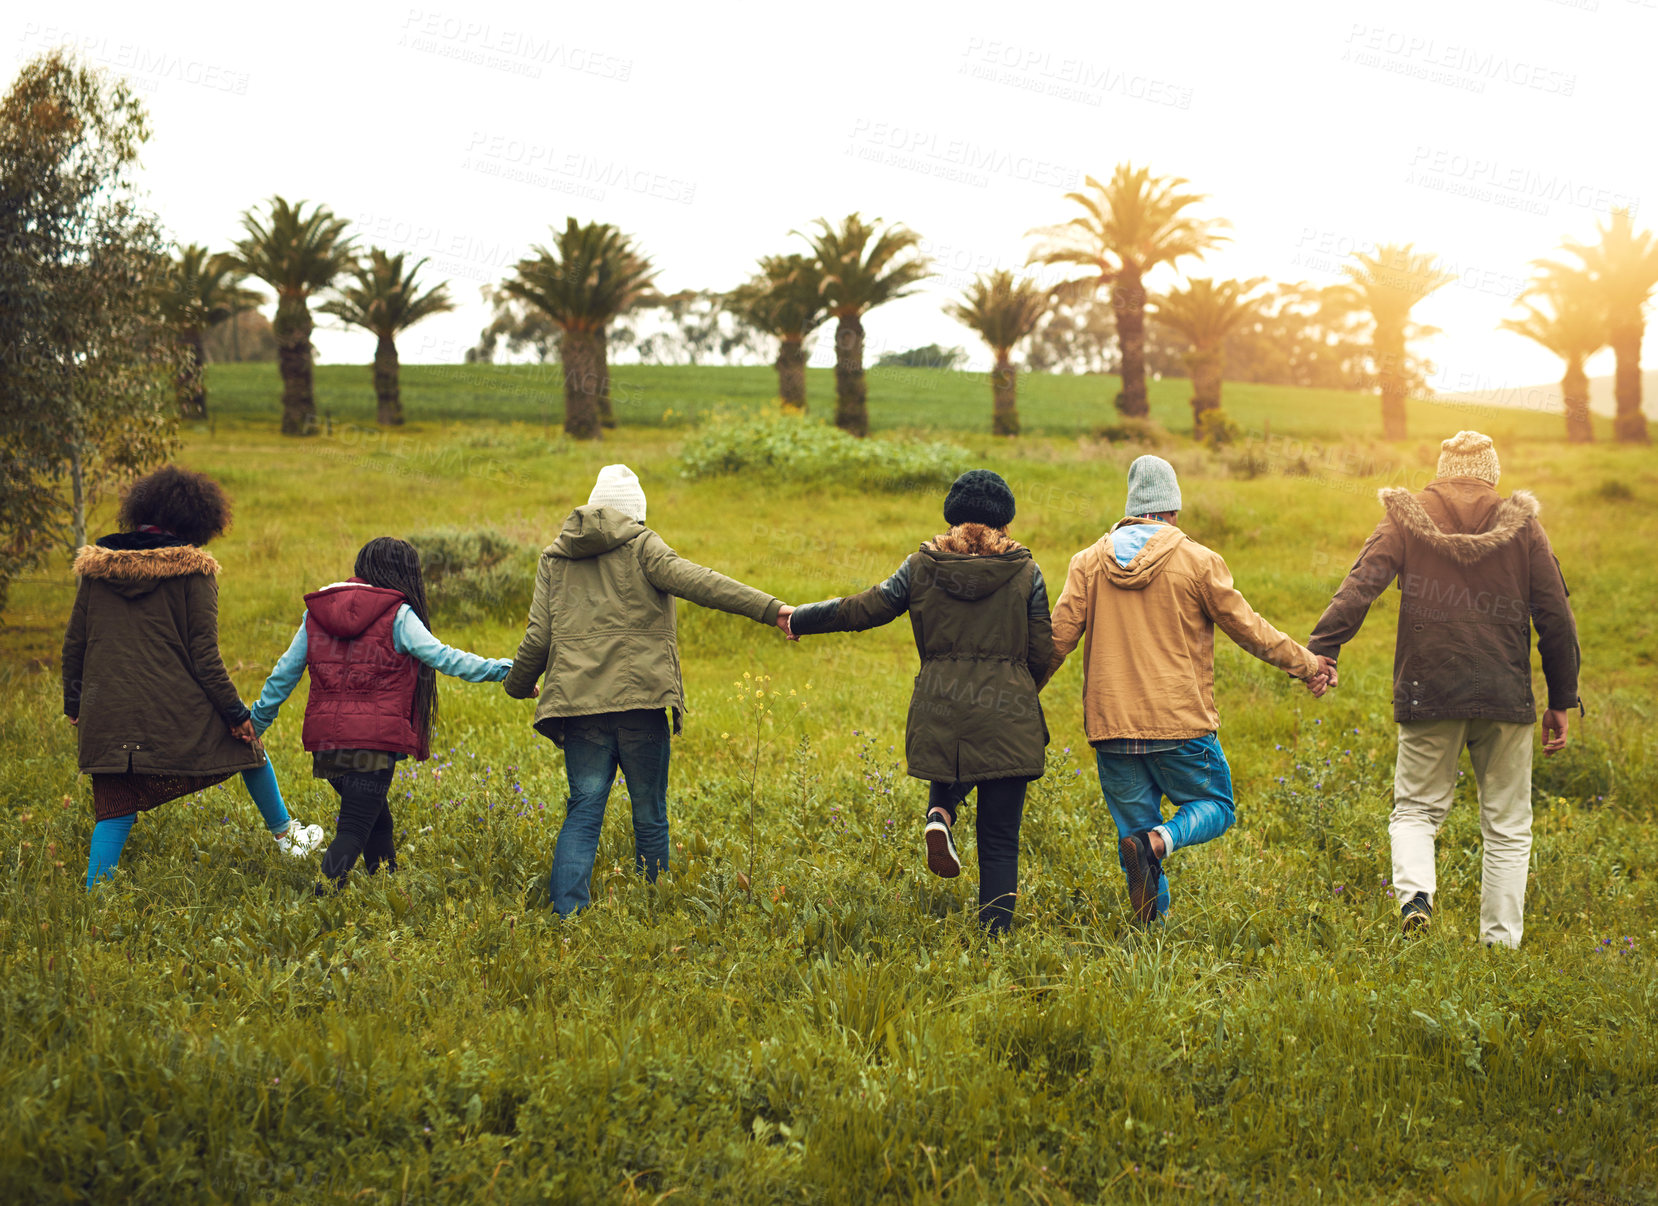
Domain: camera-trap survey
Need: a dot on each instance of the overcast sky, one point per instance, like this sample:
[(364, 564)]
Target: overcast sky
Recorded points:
[(1482, 131)]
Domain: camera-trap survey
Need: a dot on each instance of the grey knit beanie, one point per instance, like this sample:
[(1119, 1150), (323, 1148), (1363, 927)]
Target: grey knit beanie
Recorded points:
[(1153, 487)]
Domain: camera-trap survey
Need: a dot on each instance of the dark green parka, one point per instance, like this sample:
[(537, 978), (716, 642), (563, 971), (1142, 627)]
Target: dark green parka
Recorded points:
[(979, 611)]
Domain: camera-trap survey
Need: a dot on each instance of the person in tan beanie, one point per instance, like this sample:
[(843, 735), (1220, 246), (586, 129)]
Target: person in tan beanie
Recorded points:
[(1475, 573)]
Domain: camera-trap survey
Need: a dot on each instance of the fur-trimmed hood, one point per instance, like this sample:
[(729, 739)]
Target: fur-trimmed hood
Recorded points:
[(134, 571), (975, 540), (980, 559), (1490, 521)]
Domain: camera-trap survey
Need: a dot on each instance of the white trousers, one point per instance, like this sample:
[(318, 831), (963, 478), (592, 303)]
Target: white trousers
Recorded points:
[(1424, 778)]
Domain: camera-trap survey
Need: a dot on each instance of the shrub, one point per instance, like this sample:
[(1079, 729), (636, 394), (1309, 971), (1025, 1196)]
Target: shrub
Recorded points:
[(804, 450), (476, 573), (1216, 429), (1130, 431)]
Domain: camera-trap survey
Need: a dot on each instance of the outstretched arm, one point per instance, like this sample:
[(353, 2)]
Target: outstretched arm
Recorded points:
[(1224, 604), (1557, 643), (202, 602), (530, 663), (1378, 565), (881, 604), (669, 572), (410, 636), (1070, 618), (284, 677), (1039, 642)]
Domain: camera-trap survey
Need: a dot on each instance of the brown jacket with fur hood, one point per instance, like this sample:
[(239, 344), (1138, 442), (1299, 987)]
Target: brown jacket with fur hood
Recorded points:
[(141, 665), (979, 612), (1475, 572), (1145, 600)]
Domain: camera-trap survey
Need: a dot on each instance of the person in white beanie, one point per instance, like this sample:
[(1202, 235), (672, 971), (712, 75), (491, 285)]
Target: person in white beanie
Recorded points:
[(1476, 572), (602, 639), (1149, 599)]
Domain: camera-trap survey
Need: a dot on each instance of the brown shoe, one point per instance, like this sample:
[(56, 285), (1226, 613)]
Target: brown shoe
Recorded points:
[(1416, 916), (1145, 874), (942, 859)]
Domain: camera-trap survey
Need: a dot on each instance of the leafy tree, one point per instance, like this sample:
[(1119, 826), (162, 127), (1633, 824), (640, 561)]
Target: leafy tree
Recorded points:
[(1003, 311), (1076, 335), (297, 254), (1301, 334), (863, 265), (1569, 323), (1127, 227), (785, 300), (518, 325), (1205, 312), (87, 369), (244, 336), (1386, 283), (383, 296), (197, 291), (591, 275), (692, 326), (1624, 268)]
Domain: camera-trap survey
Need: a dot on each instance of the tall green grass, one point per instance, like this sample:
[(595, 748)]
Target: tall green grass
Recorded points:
[(204, 1029)]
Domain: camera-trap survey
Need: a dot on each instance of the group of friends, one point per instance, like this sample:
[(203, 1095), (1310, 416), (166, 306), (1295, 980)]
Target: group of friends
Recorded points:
[(158, 717)]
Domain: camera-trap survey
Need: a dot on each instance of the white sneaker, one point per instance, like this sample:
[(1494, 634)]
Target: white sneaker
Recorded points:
[(300, 840)]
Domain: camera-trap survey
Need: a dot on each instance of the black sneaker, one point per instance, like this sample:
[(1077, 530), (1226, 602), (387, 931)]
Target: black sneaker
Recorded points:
[(942, 859), (1145, 875), (1416, 915)]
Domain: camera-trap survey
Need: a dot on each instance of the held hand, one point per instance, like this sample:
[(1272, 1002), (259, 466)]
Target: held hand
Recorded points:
[(244, 731), (1555, 723), (1327, 667), (783, 614), (74, 720)]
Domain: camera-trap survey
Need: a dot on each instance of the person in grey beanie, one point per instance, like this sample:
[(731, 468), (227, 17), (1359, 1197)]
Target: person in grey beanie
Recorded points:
[(979, 610), (1149, 599)]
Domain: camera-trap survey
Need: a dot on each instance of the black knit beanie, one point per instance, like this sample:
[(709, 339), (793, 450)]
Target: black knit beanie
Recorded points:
[(979, 496)]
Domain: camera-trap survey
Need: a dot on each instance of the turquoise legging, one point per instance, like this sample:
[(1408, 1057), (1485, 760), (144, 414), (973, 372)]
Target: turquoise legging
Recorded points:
[(109, 838)]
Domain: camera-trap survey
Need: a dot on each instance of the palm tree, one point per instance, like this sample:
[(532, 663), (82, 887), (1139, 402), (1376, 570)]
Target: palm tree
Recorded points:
[(199, 290), (785, 299), (1624, 269), (592, 274), (1002, 311), (297, 254), (384, 298), (1386, 283), (1569, 324), (1127, 228), (863, 265), (1206, 312)]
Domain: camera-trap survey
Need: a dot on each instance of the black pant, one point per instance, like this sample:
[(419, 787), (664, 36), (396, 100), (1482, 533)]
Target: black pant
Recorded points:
[(364, 827), (996, 824)]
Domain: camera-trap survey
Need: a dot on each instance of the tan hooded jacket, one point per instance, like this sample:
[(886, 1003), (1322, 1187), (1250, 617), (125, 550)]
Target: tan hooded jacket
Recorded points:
[(1148, 634)]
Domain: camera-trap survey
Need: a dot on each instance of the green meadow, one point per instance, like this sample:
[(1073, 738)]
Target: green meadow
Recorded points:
[(798, 1011)]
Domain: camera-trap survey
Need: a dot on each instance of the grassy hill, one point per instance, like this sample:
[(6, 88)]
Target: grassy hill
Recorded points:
[(205, 1029)]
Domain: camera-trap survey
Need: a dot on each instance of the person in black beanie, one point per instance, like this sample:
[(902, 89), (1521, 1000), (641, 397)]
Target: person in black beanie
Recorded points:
[(979, 610)]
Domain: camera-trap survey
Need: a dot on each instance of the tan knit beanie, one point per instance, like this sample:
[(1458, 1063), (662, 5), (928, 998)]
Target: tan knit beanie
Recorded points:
[(1469, 454)]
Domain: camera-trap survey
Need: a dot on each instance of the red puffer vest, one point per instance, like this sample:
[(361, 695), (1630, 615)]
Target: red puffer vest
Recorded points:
[(362, 689)]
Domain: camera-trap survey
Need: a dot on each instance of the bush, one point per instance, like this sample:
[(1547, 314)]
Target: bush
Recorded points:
[(1215, 429), (476, 574), (1130, 431), (802, 450)]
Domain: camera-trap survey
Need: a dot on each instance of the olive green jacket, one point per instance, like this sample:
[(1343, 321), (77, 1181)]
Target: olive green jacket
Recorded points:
[(603, 631)]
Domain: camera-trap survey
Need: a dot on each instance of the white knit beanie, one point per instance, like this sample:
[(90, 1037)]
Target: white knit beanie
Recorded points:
[(618, 487), (1469, 454)]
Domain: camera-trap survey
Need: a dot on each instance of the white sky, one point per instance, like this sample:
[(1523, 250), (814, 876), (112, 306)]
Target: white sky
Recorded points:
[(1482, 131)]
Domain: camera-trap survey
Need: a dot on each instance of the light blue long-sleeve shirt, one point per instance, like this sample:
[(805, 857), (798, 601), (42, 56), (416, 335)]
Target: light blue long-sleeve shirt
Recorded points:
[(408, 635)]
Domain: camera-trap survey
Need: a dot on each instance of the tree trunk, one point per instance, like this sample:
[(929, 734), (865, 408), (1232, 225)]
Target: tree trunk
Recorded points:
[(77, 482), (851, 393), (1128, 300), (1630, 425), (581, 385), (293, 359), (607, 415), (1574, 388), (387, 396), (791, 374), (192, 377), (1004, 396), (1389, 351), (1205, 367)]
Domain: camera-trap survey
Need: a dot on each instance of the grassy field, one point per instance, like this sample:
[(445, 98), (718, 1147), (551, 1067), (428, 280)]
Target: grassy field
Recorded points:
[(204, 1029)]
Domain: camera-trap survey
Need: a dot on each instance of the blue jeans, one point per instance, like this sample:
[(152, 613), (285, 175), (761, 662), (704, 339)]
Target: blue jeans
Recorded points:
[(1195, 778), (595, 747)]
